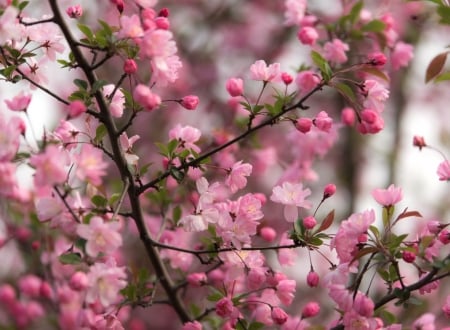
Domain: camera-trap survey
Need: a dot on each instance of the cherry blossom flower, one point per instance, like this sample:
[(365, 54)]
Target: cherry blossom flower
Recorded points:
[(116, 101), (401, 55), (311, 309), (306, 81), (101, 236), (285, 291), (375, 95), (67, 133), (261, 72), (127, 145), (76, 108), (105, 282), (334, 51), (145, 97), (303, 124), (50, 166), (236, 178), (19, 102), (443, 171), (130, 27), (307, 35), (10, 28), (371, 122), (195, 325), (292, 195), (294, 11), (388, 197), (187, 135), (235, 86), (279, 316), (90, 164), (425, 322), (323, 122)]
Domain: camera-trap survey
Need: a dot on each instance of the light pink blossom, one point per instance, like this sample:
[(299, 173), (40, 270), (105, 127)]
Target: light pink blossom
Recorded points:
[(116, 101), (401, 55), (130, 27), (371, 122), (19, 102), (306, 81), (388, 197), (236, 178), (323, 122), (294, 11), (443, 171), (425, 322), (187, 136), (90, 164), (292, 195), (261, 72), (101, 236), (375, 95), (334, 51), (145, 97), (51, 166), (235, 86), (308, 35)]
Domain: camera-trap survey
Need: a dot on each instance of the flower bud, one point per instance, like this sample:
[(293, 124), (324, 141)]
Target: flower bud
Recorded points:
[(307, 35), (235, 86), (377, 59), (129, 66), (268, 234), (279, 316), (74, 11), (348, 116), (312, 279), (309, 222), (287, 78), (303, 125), (79, 281), (311, 309), (189, 102), (197, 279), (408, 256), (329, 190), (76, 108), (164, 12), (419, 141)]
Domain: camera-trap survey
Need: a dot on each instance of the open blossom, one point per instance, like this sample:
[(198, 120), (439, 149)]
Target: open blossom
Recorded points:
[(19, 102), (105, 280), (334, 51), (375, 95), (90, 164), (101, 236), (389, 196), (292, 195), (294, 11), (260, 71), (443, 171), (10, 28), (236, 178), (50, 165), (145, 97), (187, 136), (116, 101), (401, 55), (130, 27)]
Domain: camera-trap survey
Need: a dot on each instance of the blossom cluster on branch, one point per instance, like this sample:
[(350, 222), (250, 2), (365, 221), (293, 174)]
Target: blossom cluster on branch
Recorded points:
[(151, 207)]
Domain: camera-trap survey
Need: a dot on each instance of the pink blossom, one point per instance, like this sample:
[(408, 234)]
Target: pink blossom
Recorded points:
[(306, 81), (348, 116), (375, 95), (308, 35), (76, 108), (48, 207), (303, 124), (50, 165), (363, 305), (236, 178), (445, 308), (189, 102), (116, 101), (329, 190), (90, 164), (235, 86), (371, 122), (9, 25), (225, 307), (311, 309), (443, 171), (8, 182), (312, 279), (19, 102), (130, 66), (78, 281), (7, 294), (419, 141), (74, 11), (101, 236), (334, 51), (30, 285), (187, 136), (388, 197), (279, 316), (323, 122), (425, 322), (291, 195), (294, 11), (67, 133), (260, 71), (195, 325), (285, 291), (408, 256), (401, 55), (268, 234), (309, 222), (130, 27), (377, 59), (105, 282), (286, 78), (145, 97), (197, 279)]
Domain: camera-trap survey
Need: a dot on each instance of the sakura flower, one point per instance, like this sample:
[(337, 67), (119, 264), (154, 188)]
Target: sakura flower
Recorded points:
[(90, 164), (101, 236), (443, 171), (261, 72), (127, 144), (401, 55), (306, 81), (334, 51), (235, 86), (145, 97), (425, 322), (388, 197), (116, 101), (371, 122), (187, 136), (375, 95), (74, 11), (67, 133), (323, 122), (105, 282), (236, 178), (50, 166), (130, 27), (76, 108), (9, 25), (292, 196), (19, 102), (285, 291), (294, 11), (308, 35)]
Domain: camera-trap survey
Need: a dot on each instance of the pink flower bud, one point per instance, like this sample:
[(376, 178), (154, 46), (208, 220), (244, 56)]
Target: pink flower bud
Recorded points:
[(419, 141), (323, 121), (408, 256), (268, 234), (46, 290), (363, 238), (303, 125), (189, 102), (76, 108), (444, 236), (434, 226), (74, 11), (144, 96), (308, 35), (30, 285), (7, 294), (164, 12), (348, 116), (312, 279), (329, 190), (311, 309), (287, 78), (309, 222), (119, 5), (224, 307), (377, 59), (129, 66), (79, 281), (279, 316), (235, 86), (162, 23), (197, 279)]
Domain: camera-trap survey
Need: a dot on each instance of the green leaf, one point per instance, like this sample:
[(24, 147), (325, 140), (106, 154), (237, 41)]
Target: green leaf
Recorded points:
[(98, 84), (176, 214), (257, 108), (82, 84), (374, 26), (442, 77), (322, 64), (346, 91), (435, 67), (99, 201), (86, 31), (22, 5), (354, 14), (256, 326), (444, 12), (70, 258), (216, 296), (100, 133)]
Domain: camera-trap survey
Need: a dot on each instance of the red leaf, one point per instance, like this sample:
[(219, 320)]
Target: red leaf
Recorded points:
[(327, 222), (435, 66)]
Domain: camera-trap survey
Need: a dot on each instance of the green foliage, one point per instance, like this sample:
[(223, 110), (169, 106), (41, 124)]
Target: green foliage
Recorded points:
[(323, 66), (70, 258)]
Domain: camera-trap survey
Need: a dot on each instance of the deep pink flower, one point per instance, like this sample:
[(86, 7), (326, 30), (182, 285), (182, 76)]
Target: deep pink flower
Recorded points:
[(309, 222), (130, 66), (190, 102), (101, 236), (260, 71), (197, 279), (285, 290), (287, 78), (90, 164), (74, 11), (235, 86), (377, 59), (303, 124), (329, 190), (419, 141), (408, 256), (279, 316), (443, 171), (371, 122), (195, 325), (388, 197), (308, 35), (268, 234), (348, 116), (236, 178), (311, 309), (76, 108), (225, 307), (306, 81), (78, 281), (292, 195), (312, 279)]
